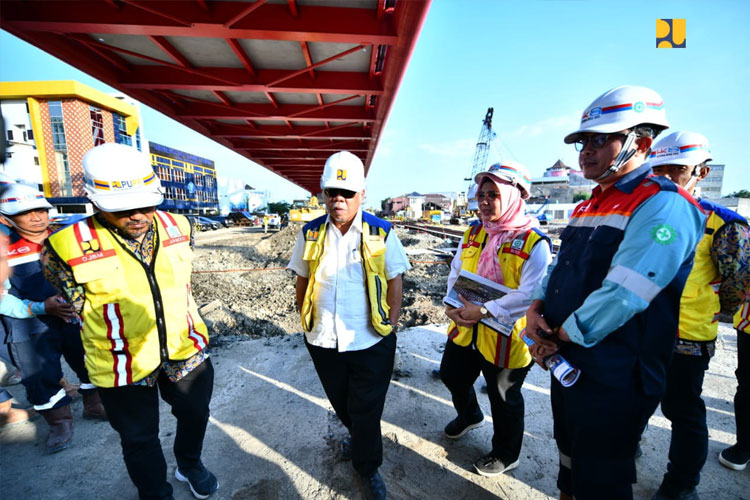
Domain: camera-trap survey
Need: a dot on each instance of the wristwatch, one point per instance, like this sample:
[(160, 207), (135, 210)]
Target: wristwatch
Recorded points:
[(484, 311)]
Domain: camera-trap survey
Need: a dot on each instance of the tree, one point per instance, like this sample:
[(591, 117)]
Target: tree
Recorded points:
[(384, 203), (743, 193), (278, 207), (580, 197)]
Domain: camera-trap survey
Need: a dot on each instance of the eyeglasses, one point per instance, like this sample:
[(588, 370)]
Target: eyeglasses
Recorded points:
[(489, 195), (130, 213), (671, 169), (597, 141), (332, 193)]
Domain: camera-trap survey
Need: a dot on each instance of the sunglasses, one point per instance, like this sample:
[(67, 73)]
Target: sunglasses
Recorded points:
[(332, 193), (597, 141), (489, 195)]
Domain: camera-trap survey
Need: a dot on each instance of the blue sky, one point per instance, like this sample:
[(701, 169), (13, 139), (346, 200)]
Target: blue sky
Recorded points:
[(539, 63)]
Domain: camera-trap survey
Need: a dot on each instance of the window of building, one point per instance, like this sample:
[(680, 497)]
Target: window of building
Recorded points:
[(121, 130), (199, 180), (61, 148), (97, 125), (178, 175), (163, 173), (36, 160), (10, 135)]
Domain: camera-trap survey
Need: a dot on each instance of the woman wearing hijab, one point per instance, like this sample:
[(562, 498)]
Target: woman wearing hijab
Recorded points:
[(506, 247)]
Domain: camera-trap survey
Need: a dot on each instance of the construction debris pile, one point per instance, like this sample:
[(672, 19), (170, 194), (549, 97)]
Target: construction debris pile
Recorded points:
[(241, 284)]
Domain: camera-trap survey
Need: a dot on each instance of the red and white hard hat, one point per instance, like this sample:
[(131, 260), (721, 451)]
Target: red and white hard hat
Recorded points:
[(621, 108), (681, 148), (118, 177), (509, 171), (19, 198), (343, 170)]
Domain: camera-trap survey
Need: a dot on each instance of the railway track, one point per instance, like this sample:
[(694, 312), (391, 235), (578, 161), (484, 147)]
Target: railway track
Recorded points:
[(451, 233)]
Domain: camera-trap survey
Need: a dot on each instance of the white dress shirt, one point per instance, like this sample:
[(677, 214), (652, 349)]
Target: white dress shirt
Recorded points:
[(341, 315)]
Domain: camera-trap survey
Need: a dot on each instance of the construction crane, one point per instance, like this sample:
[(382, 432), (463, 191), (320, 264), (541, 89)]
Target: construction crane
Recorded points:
[(481, 153)]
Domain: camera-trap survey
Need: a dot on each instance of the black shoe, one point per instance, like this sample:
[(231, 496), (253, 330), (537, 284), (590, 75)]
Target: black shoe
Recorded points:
[(458, 427), (202, 483), (374, 487), (734, 458), (665, 493), (492, 466), (345, 449)]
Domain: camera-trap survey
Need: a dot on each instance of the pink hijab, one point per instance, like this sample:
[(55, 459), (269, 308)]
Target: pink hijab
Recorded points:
[(512, 221)]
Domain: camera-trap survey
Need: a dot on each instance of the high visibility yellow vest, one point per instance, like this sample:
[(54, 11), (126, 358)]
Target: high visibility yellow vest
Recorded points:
[(134, 316), (742, 318), (699, 304), (506, 352), (372, 247)]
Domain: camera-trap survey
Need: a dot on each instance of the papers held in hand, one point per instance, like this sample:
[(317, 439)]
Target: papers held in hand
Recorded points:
[(479, 290)]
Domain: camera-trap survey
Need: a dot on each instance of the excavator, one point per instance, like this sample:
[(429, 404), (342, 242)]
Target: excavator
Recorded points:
[(306, 210)]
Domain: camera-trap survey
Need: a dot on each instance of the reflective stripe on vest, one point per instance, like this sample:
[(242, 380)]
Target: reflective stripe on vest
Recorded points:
[(742, 318), (120, 333), (506, 352), (372, 248)]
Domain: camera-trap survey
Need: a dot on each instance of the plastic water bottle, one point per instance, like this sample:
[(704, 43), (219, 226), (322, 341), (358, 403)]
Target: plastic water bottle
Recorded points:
[(563, 371)]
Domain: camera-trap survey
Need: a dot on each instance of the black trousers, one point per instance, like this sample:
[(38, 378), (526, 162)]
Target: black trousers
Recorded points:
[(683, 406), (356, 383), (460, 368), (39, 362), (742, 397), (133, 412)]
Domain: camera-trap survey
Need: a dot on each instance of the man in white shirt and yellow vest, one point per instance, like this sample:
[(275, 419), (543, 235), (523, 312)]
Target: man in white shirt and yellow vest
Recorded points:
[(716, 284), (349, 265), (126, 270)]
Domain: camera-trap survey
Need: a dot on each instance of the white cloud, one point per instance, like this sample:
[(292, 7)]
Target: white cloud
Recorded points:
[(454, 148), (563, 123)]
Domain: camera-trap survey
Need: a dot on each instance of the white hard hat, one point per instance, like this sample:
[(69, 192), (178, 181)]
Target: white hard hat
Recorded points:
[(18, 198), (509, 171), (471, 196), (681, 148), (622, 108), (5, 179), (118, 177), (343, 170)]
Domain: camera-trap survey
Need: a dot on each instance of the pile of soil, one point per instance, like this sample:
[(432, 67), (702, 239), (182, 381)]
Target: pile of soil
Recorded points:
[(244, 272)]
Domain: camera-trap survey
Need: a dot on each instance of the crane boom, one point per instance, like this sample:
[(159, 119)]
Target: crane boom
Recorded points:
[(482, 150)]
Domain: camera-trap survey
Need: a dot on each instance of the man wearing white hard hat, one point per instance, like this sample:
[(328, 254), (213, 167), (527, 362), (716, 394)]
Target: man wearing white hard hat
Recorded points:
[(40, 326), (505, 247), (610, 301), (126, 270), (349, 265), (722, 263)]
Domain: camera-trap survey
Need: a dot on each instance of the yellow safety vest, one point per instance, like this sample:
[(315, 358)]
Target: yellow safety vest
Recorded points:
[(506, 352), (372, 248), (134, 317), (699, 305), (742, 318)]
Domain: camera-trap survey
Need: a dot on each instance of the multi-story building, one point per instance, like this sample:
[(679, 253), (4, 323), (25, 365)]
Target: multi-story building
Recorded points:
[(189, 181), (51, 125), (710, 187)]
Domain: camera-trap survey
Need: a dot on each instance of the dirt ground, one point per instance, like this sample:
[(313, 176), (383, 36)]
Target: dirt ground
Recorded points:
[(273, 435)]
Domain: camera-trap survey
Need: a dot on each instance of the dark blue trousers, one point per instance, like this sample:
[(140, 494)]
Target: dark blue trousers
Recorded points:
[(39, 361), (683, 406), (742, 398), (597, 428)]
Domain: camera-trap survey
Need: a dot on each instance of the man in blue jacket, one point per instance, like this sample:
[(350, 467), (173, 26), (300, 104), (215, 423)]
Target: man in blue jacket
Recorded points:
[(611, 298)]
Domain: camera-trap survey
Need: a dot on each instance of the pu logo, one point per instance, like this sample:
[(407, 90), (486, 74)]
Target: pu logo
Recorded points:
[(126, 184), (670, 34), (340, 175), (90, 246)]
